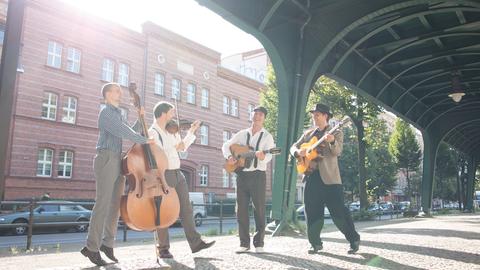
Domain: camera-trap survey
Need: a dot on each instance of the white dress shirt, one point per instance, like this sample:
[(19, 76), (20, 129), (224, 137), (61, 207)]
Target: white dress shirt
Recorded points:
[(169, 142), (240, 137)]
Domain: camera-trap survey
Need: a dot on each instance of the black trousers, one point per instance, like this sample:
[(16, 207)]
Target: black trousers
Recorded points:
[(316, 196), (251, 186)]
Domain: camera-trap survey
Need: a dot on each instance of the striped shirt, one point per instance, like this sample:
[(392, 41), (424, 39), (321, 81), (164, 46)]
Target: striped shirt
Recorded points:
[(113, 128)]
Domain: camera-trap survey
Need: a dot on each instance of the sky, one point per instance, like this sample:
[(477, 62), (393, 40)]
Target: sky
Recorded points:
[(184, 17)]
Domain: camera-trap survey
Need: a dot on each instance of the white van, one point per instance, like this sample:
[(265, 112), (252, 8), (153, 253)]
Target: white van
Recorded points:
[(197, 199), (199, 208)]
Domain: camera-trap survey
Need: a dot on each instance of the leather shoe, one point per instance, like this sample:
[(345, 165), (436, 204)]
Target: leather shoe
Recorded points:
[(165, 254), (315, 248), (94, 257), (202, 245), (354, 246), (109, 253)]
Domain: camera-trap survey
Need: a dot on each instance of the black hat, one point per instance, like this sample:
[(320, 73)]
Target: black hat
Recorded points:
[(261, 109), (321, 108)]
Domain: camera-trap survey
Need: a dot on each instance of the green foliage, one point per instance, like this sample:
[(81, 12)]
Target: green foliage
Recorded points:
[(348, 161), (269, 99), (363, 215), (445, 184), (406, 152)]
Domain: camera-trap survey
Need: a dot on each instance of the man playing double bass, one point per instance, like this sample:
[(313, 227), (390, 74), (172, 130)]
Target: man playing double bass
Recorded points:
[(171, 143), (110, 182), (251, 181)]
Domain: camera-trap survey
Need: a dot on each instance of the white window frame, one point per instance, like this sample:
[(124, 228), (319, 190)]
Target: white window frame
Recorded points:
[(123, 73), (250, 111), (204, 134), (159, 84), (176, 89), (204, 175), (54, 54), (234, 107), (74, 57), (108, 70), (233, 178), (225, 179), (51, 106), (205, 98), (227, 135), (44, 161), (191, 93), (65, 163), (69, 110), (226, 105)]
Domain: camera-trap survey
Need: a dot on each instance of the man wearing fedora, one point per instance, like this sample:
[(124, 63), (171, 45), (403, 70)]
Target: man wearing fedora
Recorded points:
[(251, 180), (323, 185)]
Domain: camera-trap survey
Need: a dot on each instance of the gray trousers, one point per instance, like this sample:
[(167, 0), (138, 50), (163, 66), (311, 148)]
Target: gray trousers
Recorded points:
[(110, 186), (251, 185), (176, 179)]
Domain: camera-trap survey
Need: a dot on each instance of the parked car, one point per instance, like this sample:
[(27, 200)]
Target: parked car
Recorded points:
[(301, 212), (199, 208), (49, 211), (354, 206)]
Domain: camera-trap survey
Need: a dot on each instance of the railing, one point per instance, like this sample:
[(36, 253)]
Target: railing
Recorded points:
[(215, 212)]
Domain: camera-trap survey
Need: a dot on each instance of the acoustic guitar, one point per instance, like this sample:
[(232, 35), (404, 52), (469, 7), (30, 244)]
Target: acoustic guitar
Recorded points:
[(303, 163), (244, 156)]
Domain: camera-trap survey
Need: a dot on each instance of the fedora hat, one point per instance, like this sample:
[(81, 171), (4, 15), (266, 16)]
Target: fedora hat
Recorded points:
[(321, 108)]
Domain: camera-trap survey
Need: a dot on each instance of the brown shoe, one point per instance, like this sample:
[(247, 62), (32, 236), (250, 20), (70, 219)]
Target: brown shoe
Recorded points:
[(109, 253), (94, 257), (202, 245), (165, 254)]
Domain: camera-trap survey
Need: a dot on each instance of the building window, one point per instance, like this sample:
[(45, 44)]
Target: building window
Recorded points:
[(226, 105), (225, 178), (44, 162), (159, 84), (65, 164), (204, 135), (69, 110), (250, 111), (123, 71), (73, 60), (205, 96), (176, 89), (234, 107), (54, 54), (108, 69), (49, 106), (234, 179), (204, 175), (226, 135), (191, 90)]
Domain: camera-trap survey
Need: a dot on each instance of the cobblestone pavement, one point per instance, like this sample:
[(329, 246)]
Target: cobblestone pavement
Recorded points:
[(442, 242)]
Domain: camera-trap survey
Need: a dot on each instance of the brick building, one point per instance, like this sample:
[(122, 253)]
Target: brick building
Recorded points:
[(66, 57)]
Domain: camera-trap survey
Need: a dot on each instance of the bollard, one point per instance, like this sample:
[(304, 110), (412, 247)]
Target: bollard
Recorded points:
[(221, 217), (124, 232), (30, 224)]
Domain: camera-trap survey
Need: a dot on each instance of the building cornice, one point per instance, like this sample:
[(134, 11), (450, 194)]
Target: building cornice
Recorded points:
[(233, 76)]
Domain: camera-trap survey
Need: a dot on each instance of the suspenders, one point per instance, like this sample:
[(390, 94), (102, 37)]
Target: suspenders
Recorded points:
[(255, 162)]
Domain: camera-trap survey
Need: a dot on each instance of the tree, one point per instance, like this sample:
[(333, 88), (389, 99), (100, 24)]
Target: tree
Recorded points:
[(348, 161), (406, 152), (380, 165), (445, 185), (269, 99), (343, 101)]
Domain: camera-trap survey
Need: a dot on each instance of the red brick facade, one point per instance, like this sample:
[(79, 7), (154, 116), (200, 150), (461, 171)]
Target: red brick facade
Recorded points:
[(155, 50)]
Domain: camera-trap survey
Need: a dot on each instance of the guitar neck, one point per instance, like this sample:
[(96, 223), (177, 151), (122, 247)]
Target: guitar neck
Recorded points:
[(322, 139)]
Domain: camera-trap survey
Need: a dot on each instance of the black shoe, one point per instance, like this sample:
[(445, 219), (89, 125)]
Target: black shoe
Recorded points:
[(164, 254), (202, 245), (109, 253), (94, 257), (354, 246), (315, 249)]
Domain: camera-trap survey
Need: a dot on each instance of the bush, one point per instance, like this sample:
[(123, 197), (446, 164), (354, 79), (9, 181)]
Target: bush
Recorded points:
[(363, 215), (410, 213)]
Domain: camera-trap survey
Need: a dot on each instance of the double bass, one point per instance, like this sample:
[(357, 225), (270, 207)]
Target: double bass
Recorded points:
[(149, 203)]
